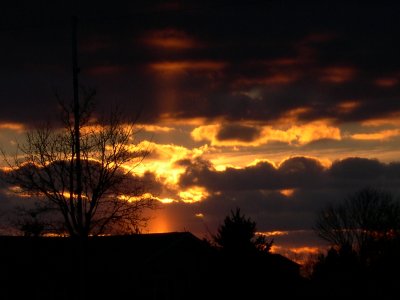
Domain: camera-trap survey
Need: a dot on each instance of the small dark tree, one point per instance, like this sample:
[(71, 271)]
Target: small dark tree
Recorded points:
[(238, 234), (31, 225), (36, 220), (244, 253), (337, 265)]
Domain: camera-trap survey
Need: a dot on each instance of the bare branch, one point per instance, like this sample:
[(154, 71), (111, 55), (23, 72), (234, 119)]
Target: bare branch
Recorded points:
[(46, 165)]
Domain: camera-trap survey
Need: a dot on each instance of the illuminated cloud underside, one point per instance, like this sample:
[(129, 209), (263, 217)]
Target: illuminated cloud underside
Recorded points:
[(296, 134), (377, 136)]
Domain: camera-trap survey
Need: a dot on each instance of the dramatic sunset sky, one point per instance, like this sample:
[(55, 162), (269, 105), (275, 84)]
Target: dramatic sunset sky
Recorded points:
[(273, 107)]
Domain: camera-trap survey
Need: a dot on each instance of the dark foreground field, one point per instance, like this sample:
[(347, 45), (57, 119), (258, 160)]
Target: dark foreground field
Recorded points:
[(159, 266), (151, 266)]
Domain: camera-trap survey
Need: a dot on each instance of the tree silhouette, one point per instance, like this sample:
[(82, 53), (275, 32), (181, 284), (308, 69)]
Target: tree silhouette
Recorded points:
[(363, 261), (238, 235), (99, 196), (367, 222), (30, 220)]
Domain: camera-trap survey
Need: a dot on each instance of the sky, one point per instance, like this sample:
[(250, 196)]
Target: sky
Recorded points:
[(273, 107)]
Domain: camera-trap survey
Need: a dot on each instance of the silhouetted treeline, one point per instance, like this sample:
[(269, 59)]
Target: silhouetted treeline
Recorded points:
[(148, 266), (236, 263), (364, 260)]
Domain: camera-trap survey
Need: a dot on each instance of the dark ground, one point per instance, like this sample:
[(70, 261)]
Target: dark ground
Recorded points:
[(163, 266)]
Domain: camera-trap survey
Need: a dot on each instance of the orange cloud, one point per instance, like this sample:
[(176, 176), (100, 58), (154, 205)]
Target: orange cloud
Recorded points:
[(19, 127), (295, 250), (234, 159), (338, 74), (162, 158), (182, 66), (347, 106), (294, 135), (206, 133), (304, 134), (292, 116), (274, 79), (393, 119), (297, 254), (170, 39), (377, 136), (155, 128), (387, 82), (194, 194), (273, 233), (287, 192), (146, 196), (168, 119), (162, 162)]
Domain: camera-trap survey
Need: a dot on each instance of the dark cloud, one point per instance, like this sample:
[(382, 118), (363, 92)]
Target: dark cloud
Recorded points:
[(295, 55), (356, 168), (149, 182), (200, 173), (293, 173), (238, 133), (257, 191), (260, 190), (297, 172), (301, 172), (153, 185)]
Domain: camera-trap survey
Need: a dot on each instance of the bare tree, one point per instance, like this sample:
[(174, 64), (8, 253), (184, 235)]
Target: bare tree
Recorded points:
[(365, 221), (364, 233), (92, 186)]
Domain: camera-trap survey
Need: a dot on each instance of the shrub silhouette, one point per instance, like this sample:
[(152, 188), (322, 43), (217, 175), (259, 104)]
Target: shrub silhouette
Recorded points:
[(238, 235)]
